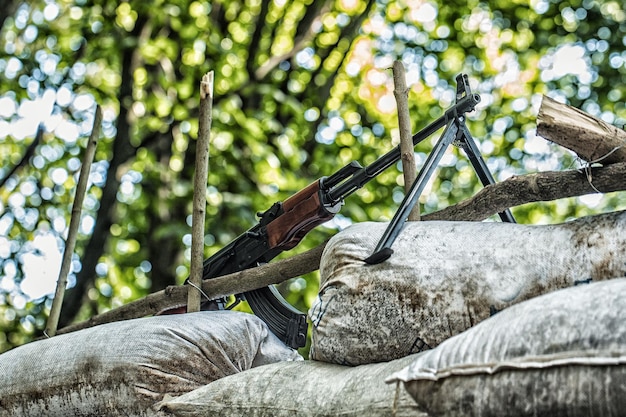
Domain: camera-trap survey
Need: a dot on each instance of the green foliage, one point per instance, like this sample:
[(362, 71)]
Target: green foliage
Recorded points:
[(302, 88)]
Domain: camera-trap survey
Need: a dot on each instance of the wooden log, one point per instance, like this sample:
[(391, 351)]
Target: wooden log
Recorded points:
[(592, 139), (235, 283), (542, 186)]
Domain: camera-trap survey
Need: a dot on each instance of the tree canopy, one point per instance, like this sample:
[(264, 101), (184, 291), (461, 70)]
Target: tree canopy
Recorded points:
[(302, 88)]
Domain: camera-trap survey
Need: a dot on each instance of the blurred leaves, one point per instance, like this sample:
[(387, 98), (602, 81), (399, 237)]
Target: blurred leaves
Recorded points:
[(302, 88)]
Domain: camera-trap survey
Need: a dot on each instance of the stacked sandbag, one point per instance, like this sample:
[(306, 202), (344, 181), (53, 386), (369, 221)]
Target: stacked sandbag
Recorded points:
[(301, 389), (445, 277), (124, 368), (560, 354)]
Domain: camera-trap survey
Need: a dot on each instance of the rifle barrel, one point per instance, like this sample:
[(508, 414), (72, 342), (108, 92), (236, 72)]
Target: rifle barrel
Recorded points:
[(361, 176)]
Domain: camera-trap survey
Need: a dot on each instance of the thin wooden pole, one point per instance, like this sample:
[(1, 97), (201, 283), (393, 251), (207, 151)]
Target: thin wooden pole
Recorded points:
[(194, 295), (407, 156), (70, 242)]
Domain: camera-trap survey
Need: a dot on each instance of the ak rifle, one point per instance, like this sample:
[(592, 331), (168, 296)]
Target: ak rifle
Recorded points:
[(284, 224)]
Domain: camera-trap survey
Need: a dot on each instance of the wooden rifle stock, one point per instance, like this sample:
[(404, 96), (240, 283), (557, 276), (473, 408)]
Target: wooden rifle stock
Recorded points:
[(301, 213)]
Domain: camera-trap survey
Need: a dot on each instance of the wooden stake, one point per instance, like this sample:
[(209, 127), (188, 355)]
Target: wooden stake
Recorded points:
[(194, 295), (70, 242), (407, 155)]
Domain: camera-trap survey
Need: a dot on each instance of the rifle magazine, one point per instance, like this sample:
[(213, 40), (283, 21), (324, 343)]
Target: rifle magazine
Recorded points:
[(285, 321)]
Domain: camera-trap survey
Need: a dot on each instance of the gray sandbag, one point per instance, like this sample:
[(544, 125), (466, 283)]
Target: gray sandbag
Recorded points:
[(301, 389), (445, 277), (124, 368), (560, 354)]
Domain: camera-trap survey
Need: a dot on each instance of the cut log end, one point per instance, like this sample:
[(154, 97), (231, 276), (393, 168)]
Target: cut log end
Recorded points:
[(592, 139)]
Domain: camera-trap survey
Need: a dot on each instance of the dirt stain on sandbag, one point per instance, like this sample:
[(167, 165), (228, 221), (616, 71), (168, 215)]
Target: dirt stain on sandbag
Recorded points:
[(62, 392), (91, 366), (589, 235), (587, 232), (537, 289), (609, 266), (412, 301), (92, 374), (188, 368)]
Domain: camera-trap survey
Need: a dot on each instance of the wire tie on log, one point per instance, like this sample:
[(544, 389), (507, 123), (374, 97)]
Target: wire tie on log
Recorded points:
[(589, 176), (199, 289), (587, 166), (615, 149)]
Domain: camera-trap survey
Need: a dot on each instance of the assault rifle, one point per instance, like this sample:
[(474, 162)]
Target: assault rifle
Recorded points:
[(284, 224)]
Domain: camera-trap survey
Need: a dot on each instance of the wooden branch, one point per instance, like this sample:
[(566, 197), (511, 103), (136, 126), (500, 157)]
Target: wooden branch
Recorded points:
[(25, 159), (544, 186), (259, 25), (300, 41), (407, 152), (194, 296), (235, 283), (590, 138), (70, 242)]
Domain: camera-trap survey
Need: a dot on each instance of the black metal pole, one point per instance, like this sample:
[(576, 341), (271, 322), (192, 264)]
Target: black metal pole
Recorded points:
[(383, 250), (482, 170)]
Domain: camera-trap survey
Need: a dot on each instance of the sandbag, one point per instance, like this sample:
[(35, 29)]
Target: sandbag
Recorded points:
[(301, 389), (123, 368), (445, 277), (560, 354)]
